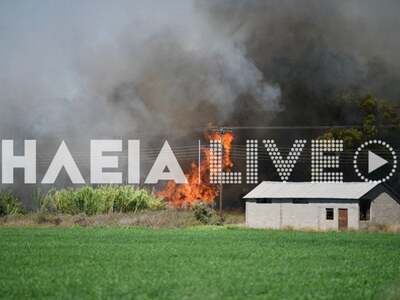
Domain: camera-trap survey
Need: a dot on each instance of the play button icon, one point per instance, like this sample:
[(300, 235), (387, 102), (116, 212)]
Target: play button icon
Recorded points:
[(387, 157), (375, 162)]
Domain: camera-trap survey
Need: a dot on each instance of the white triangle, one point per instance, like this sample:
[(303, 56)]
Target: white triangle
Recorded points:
[(375, 161)]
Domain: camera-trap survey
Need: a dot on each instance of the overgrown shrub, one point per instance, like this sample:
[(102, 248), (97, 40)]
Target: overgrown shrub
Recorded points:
[(9, 204), (203, 212), (101, 200)]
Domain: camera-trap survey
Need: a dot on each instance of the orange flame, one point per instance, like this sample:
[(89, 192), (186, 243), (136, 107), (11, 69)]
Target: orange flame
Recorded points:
[(199, 188)]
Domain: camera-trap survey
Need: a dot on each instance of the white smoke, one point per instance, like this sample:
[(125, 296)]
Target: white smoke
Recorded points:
[(101, 69)]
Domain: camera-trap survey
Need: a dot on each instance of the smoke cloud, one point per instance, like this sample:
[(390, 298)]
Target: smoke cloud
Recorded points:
[(316, 51), (91, 69), (101, 69)]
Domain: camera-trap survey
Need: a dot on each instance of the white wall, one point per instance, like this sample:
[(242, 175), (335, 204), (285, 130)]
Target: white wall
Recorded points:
[(263, 215), (300, 215)]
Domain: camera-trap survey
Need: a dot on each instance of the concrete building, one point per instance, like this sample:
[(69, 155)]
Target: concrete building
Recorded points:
[(324, 206)]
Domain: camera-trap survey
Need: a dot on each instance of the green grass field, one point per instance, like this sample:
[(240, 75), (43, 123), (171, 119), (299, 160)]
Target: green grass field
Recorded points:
[(204, 263)]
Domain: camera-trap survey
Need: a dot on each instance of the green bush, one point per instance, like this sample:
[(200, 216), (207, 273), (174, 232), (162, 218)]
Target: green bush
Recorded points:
[(9, 204), (100, 200), (203, 212)]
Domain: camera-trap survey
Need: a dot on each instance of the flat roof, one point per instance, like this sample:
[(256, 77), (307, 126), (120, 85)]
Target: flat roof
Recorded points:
[(312, 190)]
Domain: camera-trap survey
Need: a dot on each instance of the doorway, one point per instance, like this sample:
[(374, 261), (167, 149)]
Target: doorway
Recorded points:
[(343, 218)]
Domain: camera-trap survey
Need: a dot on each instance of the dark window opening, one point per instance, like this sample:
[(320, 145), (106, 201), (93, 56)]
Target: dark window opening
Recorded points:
[(365, 208), (300, 201), (330, 214), (263, 200)]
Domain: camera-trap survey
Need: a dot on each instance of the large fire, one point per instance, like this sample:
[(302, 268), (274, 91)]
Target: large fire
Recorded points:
[(198, 186)]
